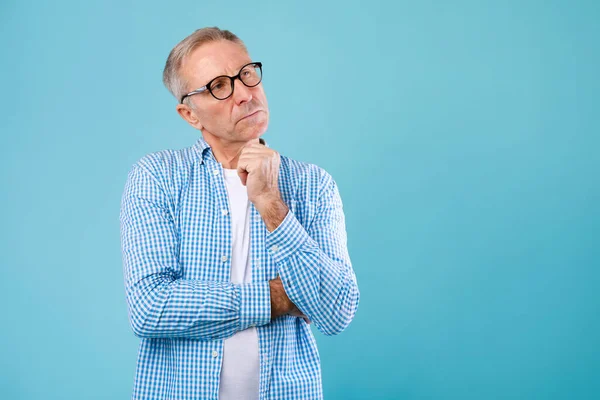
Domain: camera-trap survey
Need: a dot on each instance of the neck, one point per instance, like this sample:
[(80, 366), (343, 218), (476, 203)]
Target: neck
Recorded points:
[(226, 152)]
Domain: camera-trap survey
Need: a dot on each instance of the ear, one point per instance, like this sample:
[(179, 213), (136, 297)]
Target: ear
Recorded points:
[(189, 115)]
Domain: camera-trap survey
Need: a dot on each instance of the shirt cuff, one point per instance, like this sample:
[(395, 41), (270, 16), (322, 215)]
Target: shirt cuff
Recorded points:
[(286, 238), (255, 304)]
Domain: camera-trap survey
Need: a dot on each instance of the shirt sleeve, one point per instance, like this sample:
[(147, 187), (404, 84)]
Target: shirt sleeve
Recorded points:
[(314, 264), (161, 304)]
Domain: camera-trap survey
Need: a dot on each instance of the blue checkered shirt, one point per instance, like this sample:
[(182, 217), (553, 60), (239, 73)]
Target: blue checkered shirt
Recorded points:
[(176, 243)]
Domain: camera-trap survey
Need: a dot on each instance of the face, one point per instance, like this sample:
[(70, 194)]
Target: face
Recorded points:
[(239, 118)]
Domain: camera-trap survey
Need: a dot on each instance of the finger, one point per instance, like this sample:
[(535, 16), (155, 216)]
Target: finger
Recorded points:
[(256, 152), (243, 176), (242, 170), (244, 147), (256, 146), (249, 162), (251, 145)]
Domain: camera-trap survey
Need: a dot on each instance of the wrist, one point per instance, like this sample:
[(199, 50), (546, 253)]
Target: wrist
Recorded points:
[(273, 211), (280, 303), (267, 200)]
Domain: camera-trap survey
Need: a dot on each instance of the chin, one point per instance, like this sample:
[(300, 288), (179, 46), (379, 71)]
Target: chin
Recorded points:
[(255, 131)]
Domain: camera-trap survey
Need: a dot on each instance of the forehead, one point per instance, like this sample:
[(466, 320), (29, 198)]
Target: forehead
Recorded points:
[(212, 59)]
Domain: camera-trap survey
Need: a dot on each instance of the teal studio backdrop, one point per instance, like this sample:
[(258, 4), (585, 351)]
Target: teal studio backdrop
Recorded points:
[(462, 136)]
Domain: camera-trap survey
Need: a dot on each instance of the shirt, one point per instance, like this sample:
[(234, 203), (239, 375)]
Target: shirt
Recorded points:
[(176, 245), (240, 372)]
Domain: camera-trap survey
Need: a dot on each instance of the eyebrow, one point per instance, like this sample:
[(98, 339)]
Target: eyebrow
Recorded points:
[(238, 70)]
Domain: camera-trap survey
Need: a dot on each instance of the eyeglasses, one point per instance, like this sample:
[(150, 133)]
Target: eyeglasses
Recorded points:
[(221, 87)]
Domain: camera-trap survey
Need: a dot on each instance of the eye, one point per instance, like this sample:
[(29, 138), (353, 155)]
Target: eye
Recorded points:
[(219, 84)]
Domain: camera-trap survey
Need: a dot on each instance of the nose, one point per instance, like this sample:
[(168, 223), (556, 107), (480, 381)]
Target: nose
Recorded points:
[(241, 92)]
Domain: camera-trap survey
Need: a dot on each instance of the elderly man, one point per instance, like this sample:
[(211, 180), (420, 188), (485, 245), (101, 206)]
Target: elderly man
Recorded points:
[(230, 250)]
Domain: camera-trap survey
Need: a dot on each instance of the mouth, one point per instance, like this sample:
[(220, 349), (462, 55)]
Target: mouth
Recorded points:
[(250, 115)]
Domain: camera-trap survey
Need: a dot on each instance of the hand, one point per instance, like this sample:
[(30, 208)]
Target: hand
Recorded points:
[(258, 168), (297, 313), (281, 303)]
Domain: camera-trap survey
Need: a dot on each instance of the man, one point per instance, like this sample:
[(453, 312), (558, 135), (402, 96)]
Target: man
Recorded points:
[(229, 249)]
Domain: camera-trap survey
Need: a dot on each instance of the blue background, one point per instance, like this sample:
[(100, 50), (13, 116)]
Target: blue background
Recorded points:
[(462, 136)]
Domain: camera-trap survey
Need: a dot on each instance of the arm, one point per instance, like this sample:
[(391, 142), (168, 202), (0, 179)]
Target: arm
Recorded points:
[(160, 303), (314, 264)]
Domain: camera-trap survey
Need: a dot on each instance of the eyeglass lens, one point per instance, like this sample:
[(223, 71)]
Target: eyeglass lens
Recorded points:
[(222, 87)]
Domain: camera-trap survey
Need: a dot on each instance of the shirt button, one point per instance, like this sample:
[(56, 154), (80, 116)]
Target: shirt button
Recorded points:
[(224, 258), (215, 172), (225, 211), (274, 248), (215, 354)]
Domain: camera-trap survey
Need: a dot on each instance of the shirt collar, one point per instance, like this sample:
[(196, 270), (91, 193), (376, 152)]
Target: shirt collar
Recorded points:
[(202, 147)]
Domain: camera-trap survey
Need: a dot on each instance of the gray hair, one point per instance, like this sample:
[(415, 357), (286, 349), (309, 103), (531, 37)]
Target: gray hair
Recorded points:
[(172, 78)]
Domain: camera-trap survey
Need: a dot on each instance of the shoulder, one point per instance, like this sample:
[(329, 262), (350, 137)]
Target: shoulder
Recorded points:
[(167, 169), (306, 181), (167, 164), (305, 170)]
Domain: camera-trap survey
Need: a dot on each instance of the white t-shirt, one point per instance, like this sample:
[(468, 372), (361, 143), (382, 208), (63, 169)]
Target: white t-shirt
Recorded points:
[(241, 364)]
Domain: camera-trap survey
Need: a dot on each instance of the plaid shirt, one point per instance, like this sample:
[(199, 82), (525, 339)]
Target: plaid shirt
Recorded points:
[(176, 242)]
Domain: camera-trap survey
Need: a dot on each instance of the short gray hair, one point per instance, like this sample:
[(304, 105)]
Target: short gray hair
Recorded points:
[(172, 78)]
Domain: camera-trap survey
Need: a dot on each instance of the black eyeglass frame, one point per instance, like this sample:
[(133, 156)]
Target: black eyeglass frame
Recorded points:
[(231, 79)]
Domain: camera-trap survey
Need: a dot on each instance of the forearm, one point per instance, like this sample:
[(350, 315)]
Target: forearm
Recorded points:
[(160, 307), (272, 211), (321, 284), (161, 304), (323, 289)]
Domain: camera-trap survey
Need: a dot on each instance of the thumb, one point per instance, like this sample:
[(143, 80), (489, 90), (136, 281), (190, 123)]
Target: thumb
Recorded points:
[(243, 174)]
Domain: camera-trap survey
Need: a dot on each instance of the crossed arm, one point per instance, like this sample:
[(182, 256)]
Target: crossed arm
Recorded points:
[(315, 280)]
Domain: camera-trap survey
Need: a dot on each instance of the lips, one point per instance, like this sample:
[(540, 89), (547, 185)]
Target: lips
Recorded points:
[(251, 114)]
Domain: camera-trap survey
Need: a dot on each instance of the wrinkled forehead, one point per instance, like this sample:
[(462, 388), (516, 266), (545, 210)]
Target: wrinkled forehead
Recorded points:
[(211, 60)]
